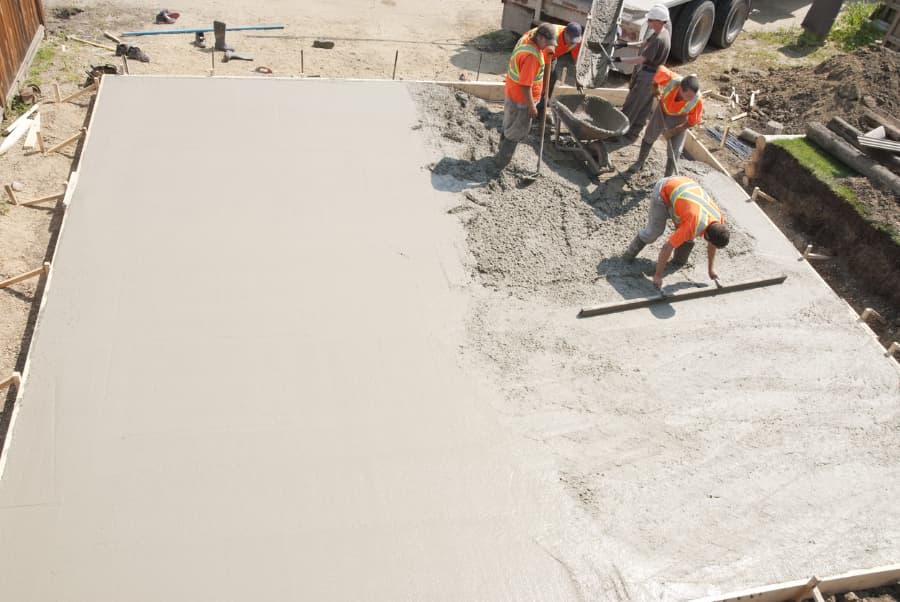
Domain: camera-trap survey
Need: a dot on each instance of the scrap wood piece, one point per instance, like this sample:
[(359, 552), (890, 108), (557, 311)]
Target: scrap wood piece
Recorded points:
[(14, 137), (66, 142), (20, 120), (110, 36), (31, 138), (712, 291), (29, 274), (90, 43)]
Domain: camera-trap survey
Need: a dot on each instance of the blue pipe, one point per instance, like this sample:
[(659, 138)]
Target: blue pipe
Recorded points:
[(156, 32)]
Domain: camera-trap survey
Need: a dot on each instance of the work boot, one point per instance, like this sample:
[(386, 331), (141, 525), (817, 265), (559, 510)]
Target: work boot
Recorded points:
[(219, 31), (646, 147), (670, 166), (505, 152), (637, 245), (683, 253)]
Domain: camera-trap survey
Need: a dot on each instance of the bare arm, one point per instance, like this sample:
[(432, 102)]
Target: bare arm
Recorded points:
[(664, 255), (529, 101), (711, 256)]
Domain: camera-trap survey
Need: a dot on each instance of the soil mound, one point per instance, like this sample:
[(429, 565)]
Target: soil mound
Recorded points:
[(843, 86)]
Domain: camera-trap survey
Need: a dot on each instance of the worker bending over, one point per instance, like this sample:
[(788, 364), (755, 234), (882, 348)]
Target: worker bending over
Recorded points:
[(568, 42), (694, 214), (654, 51), (680, 107), (524, 85)]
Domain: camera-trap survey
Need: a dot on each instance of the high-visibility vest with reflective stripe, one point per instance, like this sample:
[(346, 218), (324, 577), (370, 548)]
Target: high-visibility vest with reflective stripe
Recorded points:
[(673, 84), (527, 46), (691, 192)]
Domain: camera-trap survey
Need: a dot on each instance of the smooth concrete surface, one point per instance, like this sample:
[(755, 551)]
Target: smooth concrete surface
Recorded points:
[(244, 383)]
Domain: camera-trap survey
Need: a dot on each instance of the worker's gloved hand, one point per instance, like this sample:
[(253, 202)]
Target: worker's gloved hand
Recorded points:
[(620, 45), (657, 281), (579, 87), (532, 110), (713, 275), (669, 133), (616, 59)]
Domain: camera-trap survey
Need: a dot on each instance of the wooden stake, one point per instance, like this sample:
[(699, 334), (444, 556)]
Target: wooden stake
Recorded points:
[(89, 43), (125, 63), (81, 92), (869, 312), (12, 194), (65, 142), (15, 379), (739, 116), (724, 136), (43, 199), (805, 592), (757, 193), (41, 142), (31, 136), (396, 56), (894, 348), (30, 274), (301, 61), (56, 91)]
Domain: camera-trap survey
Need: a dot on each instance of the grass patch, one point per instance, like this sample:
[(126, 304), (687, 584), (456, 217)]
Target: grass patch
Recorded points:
[(854, 28), (794, 42)]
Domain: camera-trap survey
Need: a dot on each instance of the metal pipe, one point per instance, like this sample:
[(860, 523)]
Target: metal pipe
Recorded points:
[(157, 32)]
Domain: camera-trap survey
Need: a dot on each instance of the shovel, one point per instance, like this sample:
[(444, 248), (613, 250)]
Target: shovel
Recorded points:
[(529, 179)]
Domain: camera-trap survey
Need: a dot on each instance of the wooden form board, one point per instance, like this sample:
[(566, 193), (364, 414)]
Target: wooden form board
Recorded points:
[(837, 584)]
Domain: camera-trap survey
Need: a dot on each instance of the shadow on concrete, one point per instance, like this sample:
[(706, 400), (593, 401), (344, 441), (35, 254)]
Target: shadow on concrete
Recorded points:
[(634, 280), (456, 175)]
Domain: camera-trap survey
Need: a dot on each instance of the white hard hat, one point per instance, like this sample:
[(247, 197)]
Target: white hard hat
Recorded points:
[(658, 12)]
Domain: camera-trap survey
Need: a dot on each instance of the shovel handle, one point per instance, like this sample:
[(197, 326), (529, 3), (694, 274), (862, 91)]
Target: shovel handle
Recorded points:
[(545, 92)]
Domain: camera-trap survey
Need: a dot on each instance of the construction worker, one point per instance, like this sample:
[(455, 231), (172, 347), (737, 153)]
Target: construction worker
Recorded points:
[(679, 108), (568, 42), (524, 85), (694, 214), (654, 51)]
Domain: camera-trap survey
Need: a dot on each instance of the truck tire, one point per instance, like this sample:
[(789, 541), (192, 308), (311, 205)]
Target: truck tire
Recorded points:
[(692, 30), (730, 18)]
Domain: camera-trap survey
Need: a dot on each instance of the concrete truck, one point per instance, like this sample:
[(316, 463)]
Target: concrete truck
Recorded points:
[(694, 23)]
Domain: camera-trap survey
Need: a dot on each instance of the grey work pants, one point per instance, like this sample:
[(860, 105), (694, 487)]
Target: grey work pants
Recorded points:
[(659, 123), (516, 122), (639, 101), (657, 216)]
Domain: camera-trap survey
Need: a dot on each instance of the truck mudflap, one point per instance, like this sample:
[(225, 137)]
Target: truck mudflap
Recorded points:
[(592, 67)]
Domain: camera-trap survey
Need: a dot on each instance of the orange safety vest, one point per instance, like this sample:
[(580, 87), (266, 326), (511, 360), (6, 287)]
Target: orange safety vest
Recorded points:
[(670, 90), (528, 47), (687, 200)]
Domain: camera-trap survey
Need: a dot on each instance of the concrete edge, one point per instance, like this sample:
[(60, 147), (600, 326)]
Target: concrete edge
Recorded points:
[(71, 185)]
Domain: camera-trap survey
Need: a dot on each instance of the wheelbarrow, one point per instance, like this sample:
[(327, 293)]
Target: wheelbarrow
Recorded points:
[(590, 121)]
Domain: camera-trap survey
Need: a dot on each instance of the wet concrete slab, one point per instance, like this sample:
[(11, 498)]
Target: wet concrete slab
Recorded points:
[(244, 381)]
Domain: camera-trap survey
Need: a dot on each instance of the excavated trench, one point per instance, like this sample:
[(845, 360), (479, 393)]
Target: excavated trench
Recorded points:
[(865, 261)]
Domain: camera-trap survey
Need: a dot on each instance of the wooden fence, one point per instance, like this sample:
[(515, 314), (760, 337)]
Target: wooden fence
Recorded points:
[(21, 30)]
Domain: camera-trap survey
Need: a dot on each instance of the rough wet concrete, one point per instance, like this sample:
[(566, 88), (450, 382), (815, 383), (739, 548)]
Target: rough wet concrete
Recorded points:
[(715, 444), (280, 358)]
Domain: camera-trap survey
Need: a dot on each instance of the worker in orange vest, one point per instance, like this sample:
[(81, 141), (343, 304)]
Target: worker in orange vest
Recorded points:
[(524, 85), (568, 42), (680, 107), (694, 214)]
